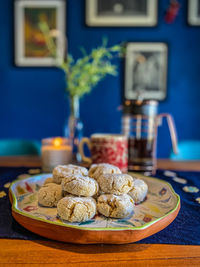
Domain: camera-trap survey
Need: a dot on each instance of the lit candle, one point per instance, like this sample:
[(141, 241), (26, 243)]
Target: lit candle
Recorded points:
[(55, 151)]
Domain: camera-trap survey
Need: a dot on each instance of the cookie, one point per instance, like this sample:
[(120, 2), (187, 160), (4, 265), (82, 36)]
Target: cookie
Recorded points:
[(61, 171), (49, 195), (79, 185), (96, 170), (117, 184), (76, 209), (48, 180), (114, 206), (139, 190)]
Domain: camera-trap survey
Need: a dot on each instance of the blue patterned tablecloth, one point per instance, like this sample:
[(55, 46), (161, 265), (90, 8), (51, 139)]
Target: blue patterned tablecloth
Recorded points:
[(185, 229)]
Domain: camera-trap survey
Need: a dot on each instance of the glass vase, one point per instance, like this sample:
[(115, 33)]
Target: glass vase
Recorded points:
[(73, 128)]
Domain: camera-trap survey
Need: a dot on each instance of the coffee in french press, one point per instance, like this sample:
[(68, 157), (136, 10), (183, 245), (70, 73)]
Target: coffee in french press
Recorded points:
[(139, 124)]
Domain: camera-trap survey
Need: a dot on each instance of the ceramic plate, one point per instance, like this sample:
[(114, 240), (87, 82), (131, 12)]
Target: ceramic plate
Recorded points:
[(155, 213)]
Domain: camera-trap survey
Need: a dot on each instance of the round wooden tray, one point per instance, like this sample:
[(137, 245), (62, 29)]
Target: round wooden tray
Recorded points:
[(154, 214)]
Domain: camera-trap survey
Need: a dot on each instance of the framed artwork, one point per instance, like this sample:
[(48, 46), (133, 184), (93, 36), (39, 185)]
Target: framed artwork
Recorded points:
[(146, 71), (194, 12), (30, 44), (121, 12)]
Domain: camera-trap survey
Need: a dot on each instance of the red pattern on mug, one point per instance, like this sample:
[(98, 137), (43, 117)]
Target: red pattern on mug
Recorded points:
[(112, 149)]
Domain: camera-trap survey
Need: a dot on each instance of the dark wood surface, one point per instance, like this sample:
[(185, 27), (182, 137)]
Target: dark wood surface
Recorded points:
[(51, 253)]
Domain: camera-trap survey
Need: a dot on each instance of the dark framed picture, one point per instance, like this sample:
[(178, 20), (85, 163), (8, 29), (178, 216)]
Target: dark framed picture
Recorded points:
[(121, 12), (146, 71), (30, 44), (194, 12)]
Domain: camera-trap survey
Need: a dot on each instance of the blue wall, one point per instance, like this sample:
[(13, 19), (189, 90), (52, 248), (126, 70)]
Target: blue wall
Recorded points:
[(32, 100)]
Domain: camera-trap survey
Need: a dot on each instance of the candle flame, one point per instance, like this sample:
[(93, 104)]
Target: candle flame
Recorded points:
[(57, 141)]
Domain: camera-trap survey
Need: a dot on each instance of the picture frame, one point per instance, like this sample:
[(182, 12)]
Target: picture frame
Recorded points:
[(121, 13), (146, 71), (193, 12), (30, 45)]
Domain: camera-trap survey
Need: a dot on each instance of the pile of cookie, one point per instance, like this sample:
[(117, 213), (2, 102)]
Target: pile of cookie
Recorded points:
[(80, 194)]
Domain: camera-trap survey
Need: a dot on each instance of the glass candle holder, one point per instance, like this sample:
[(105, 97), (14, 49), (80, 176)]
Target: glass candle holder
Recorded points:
[(55, 151)]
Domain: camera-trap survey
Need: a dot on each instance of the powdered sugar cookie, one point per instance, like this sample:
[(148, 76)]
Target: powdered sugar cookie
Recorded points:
[(139, 190), (48, 180), (61, 171), (117, 184), (76, 209), (96, 170), (80, 185), (49, 195), (115, 206)]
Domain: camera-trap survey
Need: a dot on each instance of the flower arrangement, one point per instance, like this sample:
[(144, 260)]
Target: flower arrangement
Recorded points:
[(83, 74)]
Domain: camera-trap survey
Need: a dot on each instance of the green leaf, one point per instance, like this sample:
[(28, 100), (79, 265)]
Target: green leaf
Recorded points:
[(115, 48), (85, 73)]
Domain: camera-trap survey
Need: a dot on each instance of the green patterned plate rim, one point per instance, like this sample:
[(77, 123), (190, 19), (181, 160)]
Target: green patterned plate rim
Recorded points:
[(158, 190)]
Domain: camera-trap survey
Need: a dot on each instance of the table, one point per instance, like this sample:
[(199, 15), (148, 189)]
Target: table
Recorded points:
[(20, 252)]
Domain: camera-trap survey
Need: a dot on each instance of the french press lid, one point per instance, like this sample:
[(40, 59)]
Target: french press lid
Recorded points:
[(140, 107)]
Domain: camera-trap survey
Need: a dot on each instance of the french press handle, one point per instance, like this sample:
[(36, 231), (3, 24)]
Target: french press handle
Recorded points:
[(172, 129)]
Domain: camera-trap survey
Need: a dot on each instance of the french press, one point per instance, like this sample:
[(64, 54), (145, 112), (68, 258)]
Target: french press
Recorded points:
[(140, 123)]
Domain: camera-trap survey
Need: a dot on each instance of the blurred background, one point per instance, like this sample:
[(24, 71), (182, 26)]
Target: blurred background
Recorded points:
[(33, 102)]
